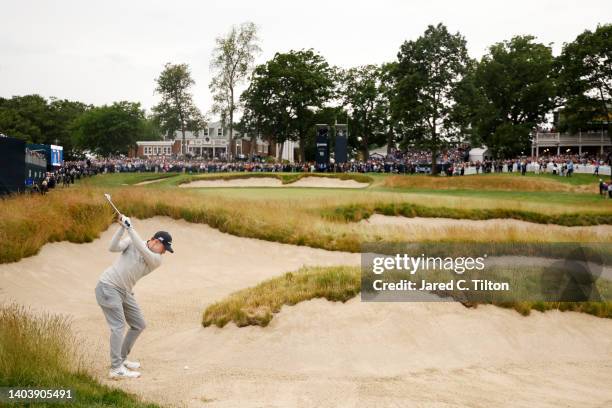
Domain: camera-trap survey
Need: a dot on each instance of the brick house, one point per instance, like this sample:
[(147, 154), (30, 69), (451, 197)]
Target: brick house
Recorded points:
[(210, 142)]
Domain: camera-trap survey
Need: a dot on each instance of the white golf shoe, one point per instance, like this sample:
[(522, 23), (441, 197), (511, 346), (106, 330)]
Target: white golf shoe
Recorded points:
[(122, 372), (132, 365)]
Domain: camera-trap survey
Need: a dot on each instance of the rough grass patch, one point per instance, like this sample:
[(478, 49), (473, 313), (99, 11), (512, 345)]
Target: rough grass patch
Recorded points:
[(357, 212), (491, 182), (259, 304), (40, 351)]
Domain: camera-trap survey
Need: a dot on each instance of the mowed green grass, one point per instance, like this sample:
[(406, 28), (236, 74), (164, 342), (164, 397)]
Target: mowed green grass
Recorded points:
[(557, 200), (121, 179)]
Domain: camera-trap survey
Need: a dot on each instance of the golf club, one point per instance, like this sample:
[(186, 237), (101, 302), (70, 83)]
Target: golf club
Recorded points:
[(108, 198)]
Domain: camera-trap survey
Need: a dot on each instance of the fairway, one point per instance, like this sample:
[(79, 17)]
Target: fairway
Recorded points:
[(586, 198)]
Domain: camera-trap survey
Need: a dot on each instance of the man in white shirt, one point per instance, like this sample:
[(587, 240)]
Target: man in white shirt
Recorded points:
[(114, 291)]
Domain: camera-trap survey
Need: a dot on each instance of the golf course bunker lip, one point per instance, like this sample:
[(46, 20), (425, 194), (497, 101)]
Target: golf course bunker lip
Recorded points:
[(142, 183), (235, 182), (327, 182), (406, 353), (499, 225), (308, 181)]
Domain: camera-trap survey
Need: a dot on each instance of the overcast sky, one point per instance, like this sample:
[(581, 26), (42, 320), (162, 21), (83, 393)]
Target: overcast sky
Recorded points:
[(103, 51)]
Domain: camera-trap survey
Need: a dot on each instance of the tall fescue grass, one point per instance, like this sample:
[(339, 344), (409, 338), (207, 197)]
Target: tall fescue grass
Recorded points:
[(28, 222), (257, 305), (35, 348), (81, 214), (492, 182), (406, 209), (40, 351)]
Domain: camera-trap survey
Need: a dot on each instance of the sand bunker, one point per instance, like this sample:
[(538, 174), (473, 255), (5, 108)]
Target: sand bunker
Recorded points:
[(328, 182), (142, 183), (319, 182), (496, 227), (237, 182), (317, 353)]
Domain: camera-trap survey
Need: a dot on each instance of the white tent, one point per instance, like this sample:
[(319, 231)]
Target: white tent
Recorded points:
[(479, 154), (382, 151)]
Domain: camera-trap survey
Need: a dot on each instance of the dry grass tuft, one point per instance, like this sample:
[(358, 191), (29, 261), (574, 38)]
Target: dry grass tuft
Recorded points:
[(40, 351), (488, 182), (257, 305)]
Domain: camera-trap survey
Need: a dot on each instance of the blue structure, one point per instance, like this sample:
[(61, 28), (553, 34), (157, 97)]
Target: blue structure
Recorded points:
[(19, 167), (53, 153)]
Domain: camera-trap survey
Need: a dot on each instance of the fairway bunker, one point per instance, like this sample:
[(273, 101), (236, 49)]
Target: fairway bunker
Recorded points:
[(317, 182), (317, 352), (157, 180), (497, 227)]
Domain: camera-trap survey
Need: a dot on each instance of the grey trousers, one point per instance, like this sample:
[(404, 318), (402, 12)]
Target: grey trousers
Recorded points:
[(120, 307)]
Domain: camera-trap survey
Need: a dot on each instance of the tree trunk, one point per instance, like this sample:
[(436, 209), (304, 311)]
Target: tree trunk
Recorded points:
[(302, 148), (434, 159), (183, 147), (364, 149), (390, 140), (253, 145), (231, 148), (271, 145), (279, 154), (365, 139), (434, 148), (231, 126), (434, 155)]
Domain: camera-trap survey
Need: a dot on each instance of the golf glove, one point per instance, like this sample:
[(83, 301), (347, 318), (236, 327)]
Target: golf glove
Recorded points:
[(126, 222)]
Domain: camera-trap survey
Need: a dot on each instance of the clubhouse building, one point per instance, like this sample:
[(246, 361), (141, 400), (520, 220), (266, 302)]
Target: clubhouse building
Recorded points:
[(550, 143), (210, 143)]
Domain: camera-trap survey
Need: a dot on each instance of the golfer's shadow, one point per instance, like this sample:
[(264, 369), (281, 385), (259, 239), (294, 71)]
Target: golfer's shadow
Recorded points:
[(573, 279)]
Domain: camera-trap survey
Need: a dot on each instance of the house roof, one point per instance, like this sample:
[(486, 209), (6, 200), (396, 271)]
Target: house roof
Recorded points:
[(479, 151)]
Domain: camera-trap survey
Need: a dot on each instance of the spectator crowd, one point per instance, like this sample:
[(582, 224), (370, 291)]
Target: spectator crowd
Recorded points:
[(451, 162)]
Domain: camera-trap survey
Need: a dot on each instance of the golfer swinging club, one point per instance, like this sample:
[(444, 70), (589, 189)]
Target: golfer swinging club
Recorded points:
[(114, 291)]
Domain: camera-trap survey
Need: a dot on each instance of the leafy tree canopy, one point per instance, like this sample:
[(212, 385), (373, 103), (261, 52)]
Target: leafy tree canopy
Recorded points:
[(110, 130)]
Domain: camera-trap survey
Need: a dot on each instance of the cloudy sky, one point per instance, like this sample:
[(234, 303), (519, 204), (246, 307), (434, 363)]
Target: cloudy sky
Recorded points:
[(103, 51)]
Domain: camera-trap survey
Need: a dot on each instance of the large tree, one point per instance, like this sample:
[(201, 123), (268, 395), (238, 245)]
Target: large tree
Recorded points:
[(177, 110), (64, 114), (362, 94), (286, 92), (507, 94), (34, 119), (427, 73), (387, 89), (264, 112), (25, 117), (232, 63), (585, 80), (110, 130), (151, 129)]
